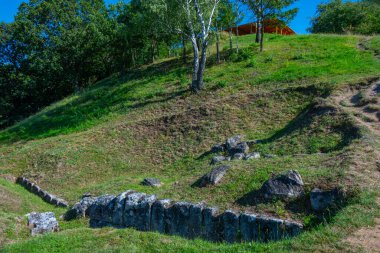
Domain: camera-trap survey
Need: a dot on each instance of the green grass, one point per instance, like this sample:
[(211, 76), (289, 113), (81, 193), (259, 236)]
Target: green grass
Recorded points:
[(108, 138)]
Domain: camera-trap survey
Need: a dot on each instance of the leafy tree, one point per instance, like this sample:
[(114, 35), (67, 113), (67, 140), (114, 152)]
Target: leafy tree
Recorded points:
[(267, 10)]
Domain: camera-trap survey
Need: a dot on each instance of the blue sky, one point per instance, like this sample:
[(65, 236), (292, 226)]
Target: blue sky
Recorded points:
[(8, 9)]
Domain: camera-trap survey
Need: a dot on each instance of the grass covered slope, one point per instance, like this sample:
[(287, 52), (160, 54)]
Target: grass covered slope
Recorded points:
[(147, 124)]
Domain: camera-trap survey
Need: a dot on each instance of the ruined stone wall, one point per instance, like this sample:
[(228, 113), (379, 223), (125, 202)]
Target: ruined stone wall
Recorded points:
[(146, 213), (47, 197)]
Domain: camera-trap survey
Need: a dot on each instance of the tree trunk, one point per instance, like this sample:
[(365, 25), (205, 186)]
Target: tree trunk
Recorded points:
[(202, 65), (194, 82), (237, 39), (258, 30), (262, 39), (152, 51), (184, 59), (217, 46), (230, 33)]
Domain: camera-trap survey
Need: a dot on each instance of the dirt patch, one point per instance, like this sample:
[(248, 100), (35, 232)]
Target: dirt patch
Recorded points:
[(367, 238)]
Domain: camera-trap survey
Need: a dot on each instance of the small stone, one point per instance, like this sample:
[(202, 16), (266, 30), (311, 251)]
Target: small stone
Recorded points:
[(214, 177), (239, 148), (154, 182), (218, 159), (238, 156), (321, 200), (269, 156), (287, 185), (232, 142), (218, 148), (86, 195), (42, 223), (252, 156)]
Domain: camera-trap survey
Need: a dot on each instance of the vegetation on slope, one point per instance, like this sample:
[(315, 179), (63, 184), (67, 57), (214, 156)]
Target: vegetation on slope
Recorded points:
[(108, 138)]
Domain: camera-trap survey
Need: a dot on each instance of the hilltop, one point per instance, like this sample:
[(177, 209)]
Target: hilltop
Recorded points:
[(312, 100)]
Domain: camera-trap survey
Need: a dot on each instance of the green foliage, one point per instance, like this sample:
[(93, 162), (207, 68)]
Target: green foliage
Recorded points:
[(341, 17)]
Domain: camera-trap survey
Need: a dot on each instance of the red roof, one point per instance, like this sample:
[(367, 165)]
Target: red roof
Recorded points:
[(269, 27)]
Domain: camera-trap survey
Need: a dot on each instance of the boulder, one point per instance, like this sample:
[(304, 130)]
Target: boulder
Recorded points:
[(292, 229), (214, 177), (239, 148), (118, 208), (137, 210), (249, 227), (232, 142), (321, 200), (100, 210), (287, 185), (238, 156), (80, 209), (219, 159), (251, 156), (159, 213), (230, 226), (195, 220), (218, 148), (178, 218), (154, 182), (212, 225), (42, 223)]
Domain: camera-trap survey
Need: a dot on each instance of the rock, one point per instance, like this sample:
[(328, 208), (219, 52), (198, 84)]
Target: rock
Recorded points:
[(251, 156), (178, 217), (230, 226), (212, 225), (249, 228), (239, 148), (218, 148), (99, 211), (269, 156), (118, 209), (86, 195), (155, 182), (254, 142), (195, 220), (214, 177), (292, 229), (159, 210), (42, 223), (80, 209), (232, 142), (321, 200), (137, 210), (238, 156), (219, 159), (287, 185)]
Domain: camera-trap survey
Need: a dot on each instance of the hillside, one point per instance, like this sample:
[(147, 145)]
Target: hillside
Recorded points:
[(312, 100)]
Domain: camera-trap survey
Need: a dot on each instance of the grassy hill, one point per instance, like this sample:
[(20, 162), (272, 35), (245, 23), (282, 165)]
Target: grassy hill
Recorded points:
[(147, 124)]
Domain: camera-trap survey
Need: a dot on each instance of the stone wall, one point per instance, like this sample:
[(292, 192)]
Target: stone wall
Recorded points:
[(47, 197), (146, 213)]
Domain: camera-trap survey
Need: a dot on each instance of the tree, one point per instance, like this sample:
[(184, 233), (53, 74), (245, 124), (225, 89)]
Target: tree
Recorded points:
[(193, 19), (267, 10), (341, 17)]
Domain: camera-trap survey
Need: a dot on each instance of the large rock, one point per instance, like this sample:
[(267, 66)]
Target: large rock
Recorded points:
[(195, 220), (232, 142), (159, 214), (249, 227), (119, 207), (214, 177), (137, 210), (240, 148), (251, 156), (80, 209), (321, 200), (42, 223), (230, 226), (154, 182), (219, 159), (178, 217), (287, 185), (99, 211), (212, 225), (218, 148)]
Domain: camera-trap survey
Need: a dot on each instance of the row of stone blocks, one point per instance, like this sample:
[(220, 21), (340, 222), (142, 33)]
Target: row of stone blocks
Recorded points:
[(146, 213), (35, 189)]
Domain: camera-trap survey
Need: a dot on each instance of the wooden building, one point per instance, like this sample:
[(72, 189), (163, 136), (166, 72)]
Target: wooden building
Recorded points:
[(270, 26)]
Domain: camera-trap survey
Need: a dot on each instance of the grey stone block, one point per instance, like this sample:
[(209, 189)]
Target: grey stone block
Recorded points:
[(230, 226), (249, 227), (212, 225), (137, 210), (158, 220)]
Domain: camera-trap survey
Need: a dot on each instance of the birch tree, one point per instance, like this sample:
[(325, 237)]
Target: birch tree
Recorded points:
[(192, 19)]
